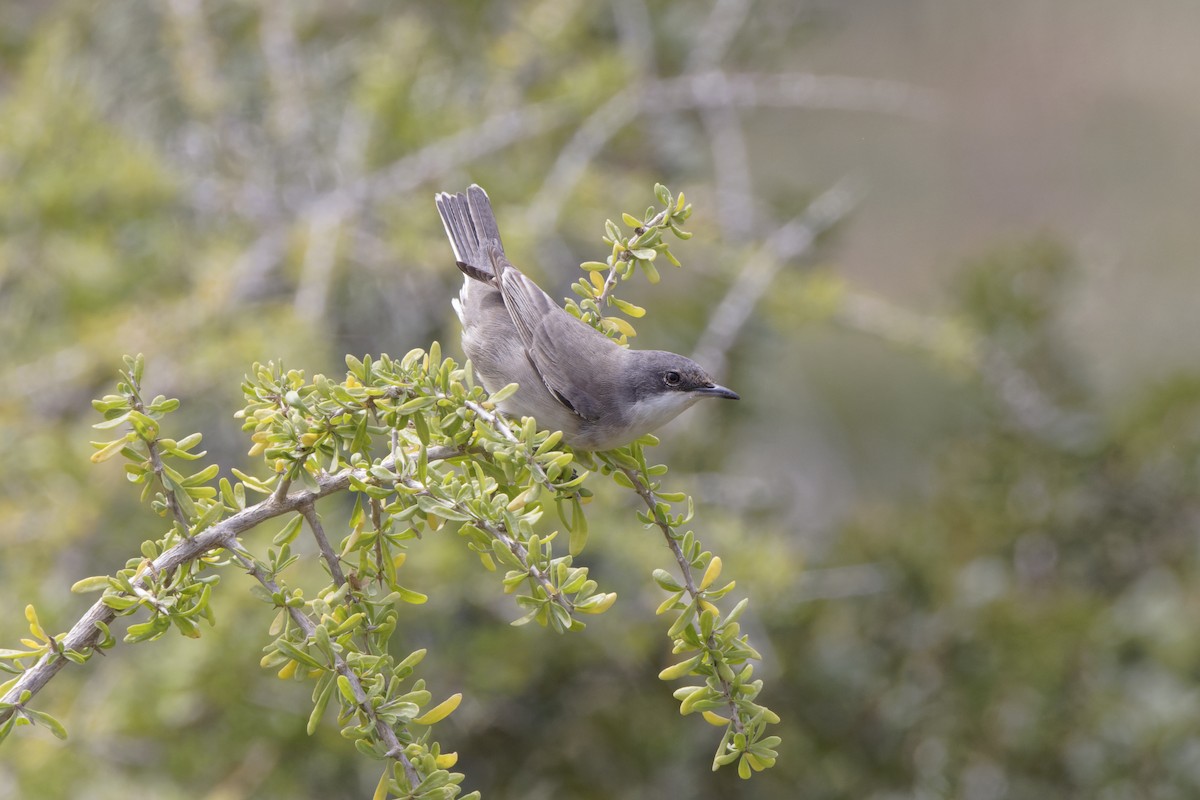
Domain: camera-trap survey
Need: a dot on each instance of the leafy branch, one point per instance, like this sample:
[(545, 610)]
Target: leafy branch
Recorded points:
[(421, 448), (716, 649), (636, 250)]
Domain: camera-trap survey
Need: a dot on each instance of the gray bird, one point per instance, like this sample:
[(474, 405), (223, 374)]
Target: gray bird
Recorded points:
[(572, 378)]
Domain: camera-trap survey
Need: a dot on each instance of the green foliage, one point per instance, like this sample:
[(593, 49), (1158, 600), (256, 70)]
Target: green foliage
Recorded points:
[(1033, 638), (635, 250), (420, 446), (716, 651), (967, 507)]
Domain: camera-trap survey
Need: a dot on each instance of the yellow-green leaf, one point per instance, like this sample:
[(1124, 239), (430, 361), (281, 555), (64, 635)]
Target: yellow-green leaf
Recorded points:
[(95, 583), (107, 449), (711, 573), (636, 312), (679, 670), (440, 711)]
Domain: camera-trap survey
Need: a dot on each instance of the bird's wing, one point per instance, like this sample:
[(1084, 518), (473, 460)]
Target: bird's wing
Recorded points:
[(552, 338), (554, 341)]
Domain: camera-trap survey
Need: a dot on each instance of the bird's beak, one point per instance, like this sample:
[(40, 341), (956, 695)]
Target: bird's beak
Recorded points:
[(714, 390)]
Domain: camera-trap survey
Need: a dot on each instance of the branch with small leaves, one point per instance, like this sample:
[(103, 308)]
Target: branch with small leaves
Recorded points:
[(716, 649), (718, 652), (421, 448), (637, 249)]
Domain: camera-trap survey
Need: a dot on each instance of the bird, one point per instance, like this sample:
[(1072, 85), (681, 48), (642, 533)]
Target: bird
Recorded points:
[(571, 378)]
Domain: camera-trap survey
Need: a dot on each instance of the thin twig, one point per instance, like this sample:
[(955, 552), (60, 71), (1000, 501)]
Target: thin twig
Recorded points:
[(282, 488), (156, 464), (498, 422), (610, 281), (334, 563), (522, 553), (642, 487), (514, 546), (394, 748)]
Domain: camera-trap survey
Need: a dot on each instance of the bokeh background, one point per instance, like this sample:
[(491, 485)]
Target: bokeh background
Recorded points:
[(961, 486)]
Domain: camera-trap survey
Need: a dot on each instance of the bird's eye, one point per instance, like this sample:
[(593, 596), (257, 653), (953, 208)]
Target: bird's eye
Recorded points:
[(672, 378)]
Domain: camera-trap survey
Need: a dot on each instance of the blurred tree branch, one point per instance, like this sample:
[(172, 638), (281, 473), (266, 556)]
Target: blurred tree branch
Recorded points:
[(718, 89), (789, 242)]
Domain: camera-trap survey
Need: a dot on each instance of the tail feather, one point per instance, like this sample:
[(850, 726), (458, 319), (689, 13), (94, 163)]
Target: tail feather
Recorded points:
[(482, 217), (471, 227), (457, 221)]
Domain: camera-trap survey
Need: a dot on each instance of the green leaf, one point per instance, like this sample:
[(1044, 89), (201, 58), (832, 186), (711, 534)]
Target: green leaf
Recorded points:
[(440, 711), (95, 583), (184, 501), (297, 654), (621, 479), (579, 536), (290, 530), (516, 623), (119, 602), (114, 422), (343, 684), (163, 405), (188, 442), (410, 596), (412, 659), (505, 393), (147, 631), (12, 655), (251, 482), (629, 308), (203, 476), (323, 643), (107, 450), (383, 788), (679, 670), (666, 580), (324, 691), (671, 603), (435, 780)]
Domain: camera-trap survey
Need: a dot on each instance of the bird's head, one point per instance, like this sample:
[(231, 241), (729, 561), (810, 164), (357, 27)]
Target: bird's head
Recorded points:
[(663, 385)]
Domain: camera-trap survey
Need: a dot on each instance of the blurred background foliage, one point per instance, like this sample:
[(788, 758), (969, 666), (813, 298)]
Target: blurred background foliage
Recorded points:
[(960, 488)]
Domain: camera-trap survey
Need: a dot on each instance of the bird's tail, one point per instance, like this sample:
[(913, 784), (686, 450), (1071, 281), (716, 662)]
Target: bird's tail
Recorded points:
[(472, 230)]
